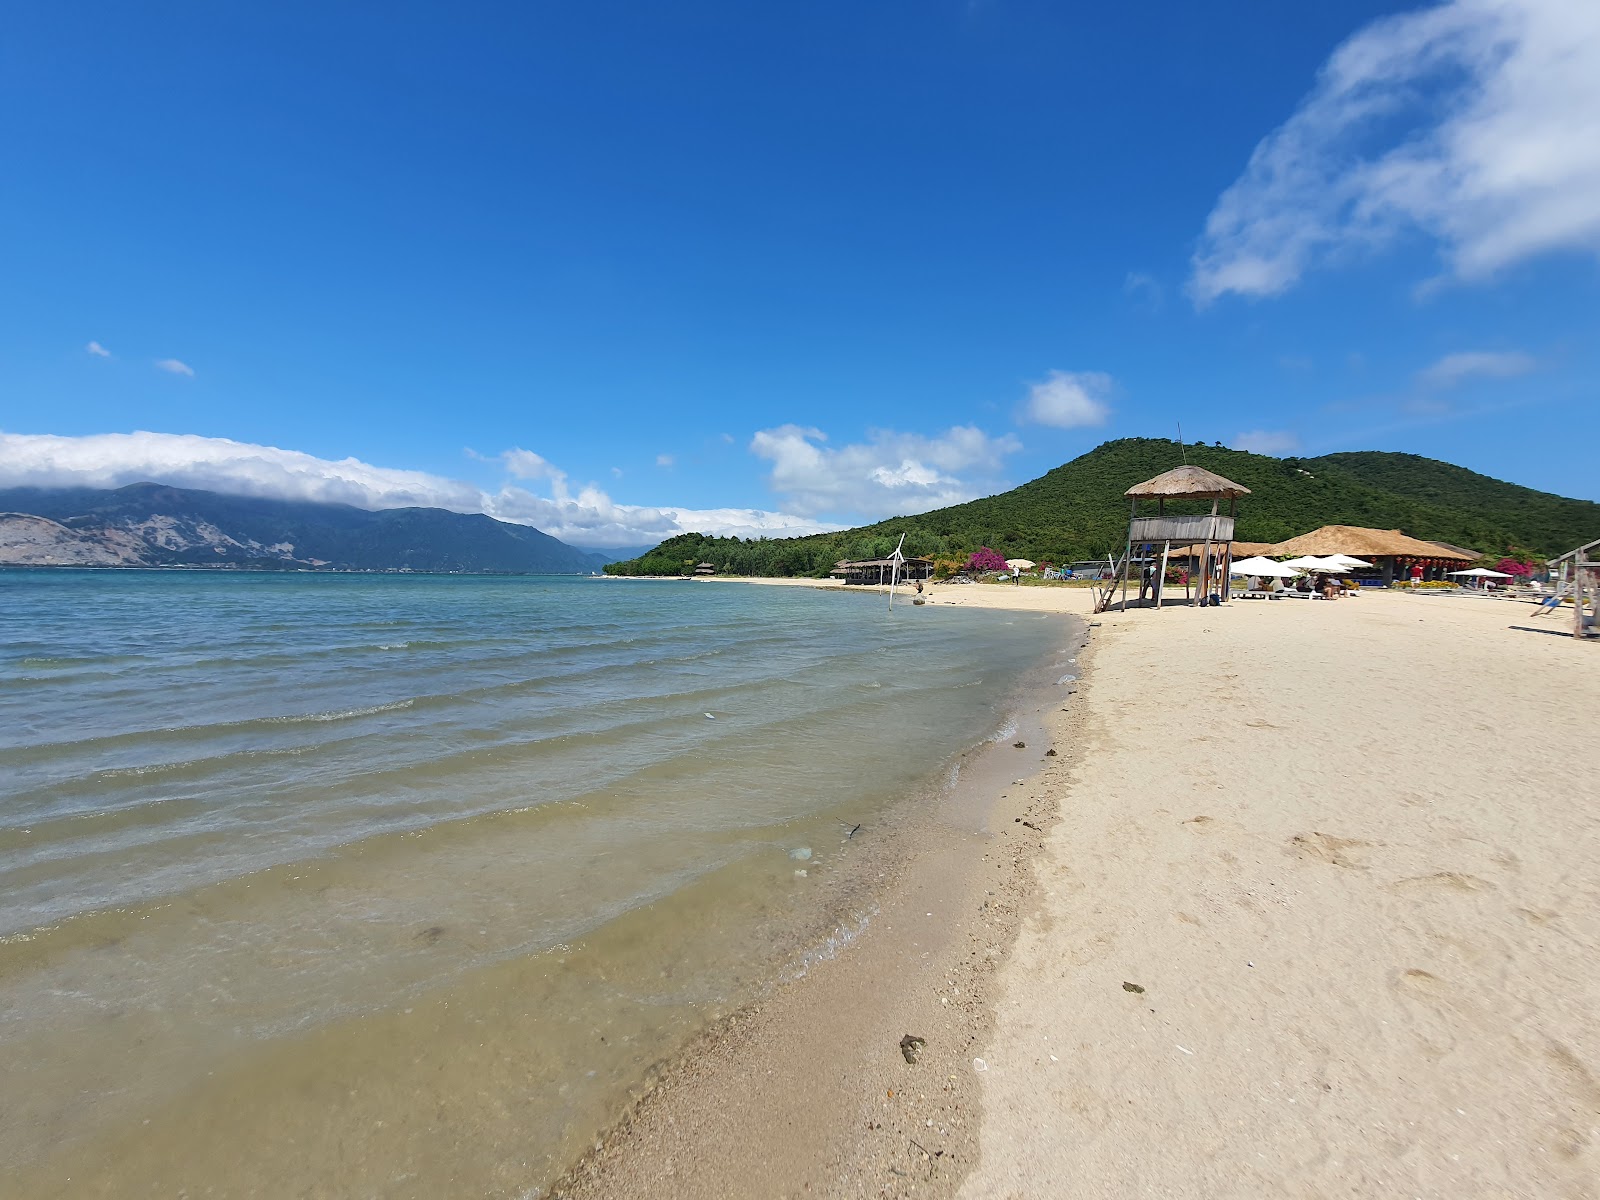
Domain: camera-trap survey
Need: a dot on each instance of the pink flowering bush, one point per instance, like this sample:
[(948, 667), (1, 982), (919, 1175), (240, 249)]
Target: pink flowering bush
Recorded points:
[(985, 559), (1512, 567)]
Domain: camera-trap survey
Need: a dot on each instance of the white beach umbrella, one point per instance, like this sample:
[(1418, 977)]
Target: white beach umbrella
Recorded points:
[(1481, 573), (1264, 566), (1309, 562), (1348, 561), (1021, 564)]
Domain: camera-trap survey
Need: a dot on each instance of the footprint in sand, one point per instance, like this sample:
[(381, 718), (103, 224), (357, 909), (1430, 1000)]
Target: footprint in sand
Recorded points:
[(1453, 881), (1324, 847)]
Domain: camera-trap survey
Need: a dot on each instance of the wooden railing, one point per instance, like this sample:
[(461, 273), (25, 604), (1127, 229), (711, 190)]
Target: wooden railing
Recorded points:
[(1181, 529)]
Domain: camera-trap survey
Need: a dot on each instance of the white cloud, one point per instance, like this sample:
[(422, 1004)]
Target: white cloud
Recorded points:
[(585, 516), (113, 460), (525, 464), (173, 366), (664, 460), (96, 349), (1069, 399), (1454, 369), (892, 473), (1471, 121), (1266, 441), (1145, 290)]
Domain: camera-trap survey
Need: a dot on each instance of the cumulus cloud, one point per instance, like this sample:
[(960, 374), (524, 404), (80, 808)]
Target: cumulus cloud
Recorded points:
[(1068, 400), (96, 349), (111, 460), (1454, 369), (891, 473), (1472, 122), (174, 367), (584, 515), (1267, 441)]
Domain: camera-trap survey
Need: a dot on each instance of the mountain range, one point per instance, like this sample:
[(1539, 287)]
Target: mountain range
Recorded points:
[(150, 524), (1077, 511)]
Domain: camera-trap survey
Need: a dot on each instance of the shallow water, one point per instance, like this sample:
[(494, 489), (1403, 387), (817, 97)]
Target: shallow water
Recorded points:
[(353, 884)]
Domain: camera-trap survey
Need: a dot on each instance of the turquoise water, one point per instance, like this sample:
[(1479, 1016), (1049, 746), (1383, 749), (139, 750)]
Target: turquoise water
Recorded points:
[(253, 827)]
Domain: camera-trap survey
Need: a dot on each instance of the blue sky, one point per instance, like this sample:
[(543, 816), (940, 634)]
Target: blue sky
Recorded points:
[(618, 269)]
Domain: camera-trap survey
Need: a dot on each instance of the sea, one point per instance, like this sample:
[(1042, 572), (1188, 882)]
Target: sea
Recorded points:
[(405, 885)]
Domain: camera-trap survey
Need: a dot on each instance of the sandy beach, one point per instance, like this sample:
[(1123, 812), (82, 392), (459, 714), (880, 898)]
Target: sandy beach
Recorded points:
[(1304, 904)]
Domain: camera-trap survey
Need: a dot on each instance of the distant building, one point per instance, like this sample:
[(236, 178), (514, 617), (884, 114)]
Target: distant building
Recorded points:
[(1391, 553), (880, 570), (706, 569)]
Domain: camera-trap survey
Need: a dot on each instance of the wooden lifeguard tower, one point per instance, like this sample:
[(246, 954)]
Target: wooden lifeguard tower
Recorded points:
[(1212, 531), (1575, 574)]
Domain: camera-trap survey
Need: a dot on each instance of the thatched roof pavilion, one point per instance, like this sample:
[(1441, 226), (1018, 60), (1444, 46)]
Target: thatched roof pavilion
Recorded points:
[(1211, 531), (1368, 543), (1187, 483)]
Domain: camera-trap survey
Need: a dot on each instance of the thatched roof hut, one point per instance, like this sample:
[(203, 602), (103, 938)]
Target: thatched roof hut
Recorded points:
[(1368, 543), (1187, 483), (1211, 531)]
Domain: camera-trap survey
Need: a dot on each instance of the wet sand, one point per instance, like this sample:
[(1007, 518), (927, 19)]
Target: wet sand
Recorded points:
[(1312, 909)]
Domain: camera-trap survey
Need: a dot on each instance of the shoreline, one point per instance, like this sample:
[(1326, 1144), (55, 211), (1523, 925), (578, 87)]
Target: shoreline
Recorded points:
[(1381, 977), (756, 1104)]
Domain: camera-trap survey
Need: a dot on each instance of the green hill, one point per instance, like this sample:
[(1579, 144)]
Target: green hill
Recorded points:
[(1077, 511)]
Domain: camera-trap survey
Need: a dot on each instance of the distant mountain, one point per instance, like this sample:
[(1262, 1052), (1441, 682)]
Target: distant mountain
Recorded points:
[(1077, 511), (149, 524)]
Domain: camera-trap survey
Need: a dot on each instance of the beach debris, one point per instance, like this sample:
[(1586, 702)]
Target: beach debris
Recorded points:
[(1050, 753), (1019, 745), (1032, 826), (711, 716), (911, 1046), (852, 830), (979, 1065), (800, 853), (1185, 1049), (800, 873), (1132, 987)]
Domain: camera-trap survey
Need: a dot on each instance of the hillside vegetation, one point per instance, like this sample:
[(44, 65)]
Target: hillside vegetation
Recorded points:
[(1077, 511)]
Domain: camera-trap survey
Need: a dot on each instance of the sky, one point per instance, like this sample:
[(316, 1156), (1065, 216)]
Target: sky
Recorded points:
[(620, 270)]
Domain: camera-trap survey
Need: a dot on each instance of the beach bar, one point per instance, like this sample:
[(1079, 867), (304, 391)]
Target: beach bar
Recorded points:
[(1391, 553), (881, 570), (1212, 532)]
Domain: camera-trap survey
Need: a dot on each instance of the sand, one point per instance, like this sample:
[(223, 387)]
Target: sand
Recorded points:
[(1344, 849)]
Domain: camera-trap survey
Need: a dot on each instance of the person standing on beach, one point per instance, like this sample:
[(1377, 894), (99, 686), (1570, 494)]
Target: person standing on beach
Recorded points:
[(1416, 575)]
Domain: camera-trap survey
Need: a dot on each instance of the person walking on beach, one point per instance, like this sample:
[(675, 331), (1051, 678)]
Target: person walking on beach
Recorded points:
[(1416, 575)]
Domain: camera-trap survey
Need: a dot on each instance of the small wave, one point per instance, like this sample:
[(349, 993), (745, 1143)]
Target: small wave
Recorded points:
[(1067, 679), (1005, 733), (840, 939), (341, 714)]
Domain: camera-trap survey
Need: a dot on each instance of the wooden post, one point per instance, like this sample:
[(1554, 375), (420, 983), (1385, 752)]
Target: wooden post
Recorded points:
[(1127, 554), (1161, 576), (1227, 575), (1579, 562), (1205, 560)]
